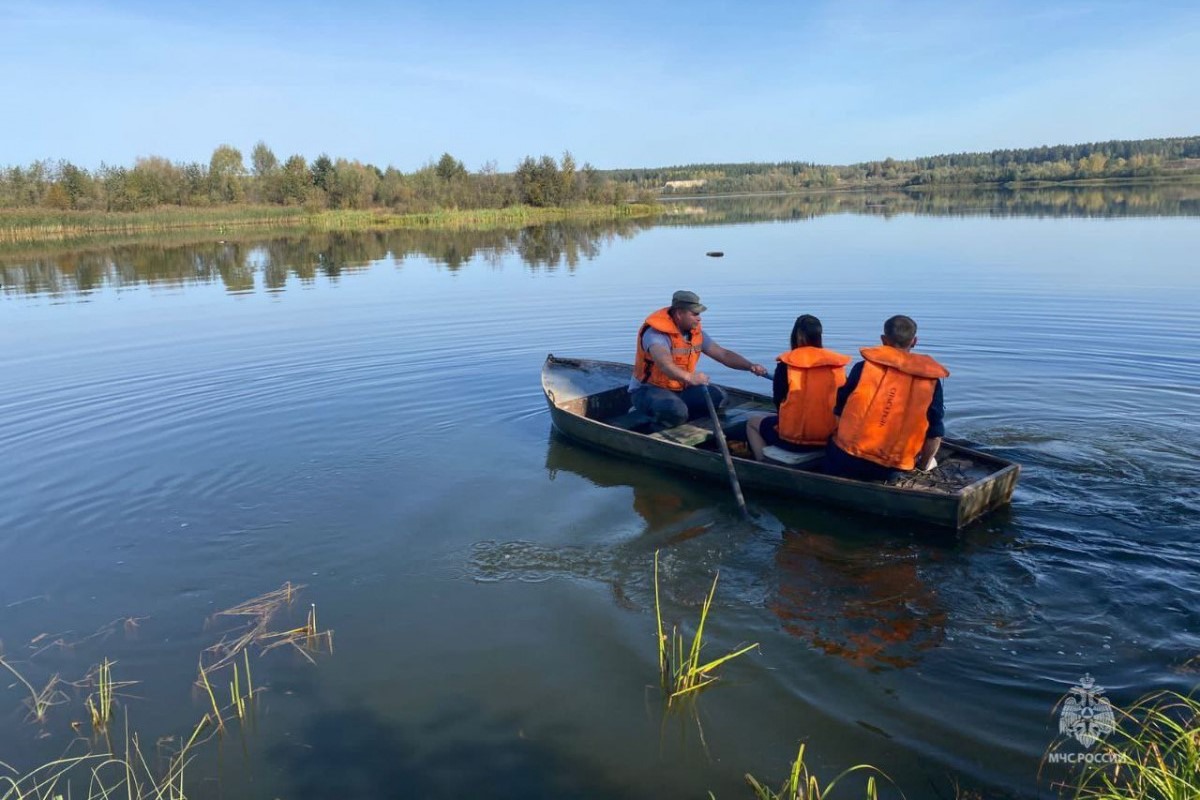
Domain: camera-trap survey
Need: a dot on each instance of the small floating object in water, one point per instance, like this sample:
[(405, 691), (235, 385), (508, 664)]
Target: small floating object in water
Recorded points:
[(714, 253)]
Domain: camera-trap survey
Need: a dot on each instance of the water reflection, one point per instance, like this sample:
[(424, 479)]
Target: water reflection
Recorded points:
[(241, 263), (1133, 200), (852, 590), (865, 604), (465, 751), (245, 262)]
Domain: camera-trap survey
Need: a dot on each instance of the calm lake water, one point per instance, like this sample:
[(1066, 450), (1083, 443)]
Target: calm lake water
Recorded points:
[(186, 425)]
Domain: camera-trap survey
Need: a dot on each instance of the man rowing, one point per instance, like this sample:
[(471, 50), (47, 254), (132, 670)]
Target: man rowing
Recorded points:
[(666, 384)]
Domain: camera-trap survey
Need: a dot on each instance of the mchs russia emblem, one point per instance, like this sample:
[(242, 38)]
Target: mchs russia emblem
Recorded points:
[(1087, 715)]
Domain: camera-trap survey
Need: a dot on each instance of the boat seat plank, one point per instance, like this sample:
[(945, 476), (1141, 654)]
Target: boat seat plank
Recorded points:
[(689, 433)]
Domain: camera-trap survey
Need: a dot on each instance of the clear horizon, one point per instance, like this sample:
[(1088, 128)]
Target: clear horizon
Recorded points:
[(621, 86)]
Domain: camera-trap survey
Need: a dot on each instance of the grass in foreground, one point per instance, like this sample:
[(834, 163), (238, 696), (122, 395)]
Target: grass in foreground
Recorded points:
[(803, 785), (680, 671), (130, 772), (1157, 747)]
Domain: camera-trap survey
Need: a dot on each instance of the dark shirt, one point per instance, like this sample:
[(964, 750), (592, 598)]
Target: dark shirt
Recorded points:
[(780, 384), (937, 407)]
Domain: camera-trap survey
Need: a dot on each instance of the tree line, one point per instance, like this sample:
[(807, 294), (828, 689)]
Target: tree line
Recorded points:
[(1143, 158), (325, 183)]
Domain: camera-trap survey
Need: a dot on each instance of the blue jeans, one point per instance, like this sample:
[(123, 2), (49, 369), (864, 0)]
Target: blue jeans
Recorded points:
[(675, 408)]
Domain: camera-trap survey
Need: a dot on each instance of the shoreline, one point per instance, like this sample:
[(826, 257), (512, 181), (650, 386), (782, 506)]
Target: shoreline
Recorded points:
[(36, 226), (1173, 179)]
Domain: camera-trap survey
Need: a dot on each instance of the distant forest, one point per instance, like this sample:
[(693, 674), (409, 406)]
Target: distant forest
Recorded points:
[(1143, 158), (325, 183), (328, 183)]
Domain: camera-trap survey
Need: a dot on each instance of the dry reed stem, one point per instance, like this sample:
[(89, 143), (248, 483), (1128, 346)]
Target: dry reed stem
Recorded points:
[(60, 640), (39, 702)]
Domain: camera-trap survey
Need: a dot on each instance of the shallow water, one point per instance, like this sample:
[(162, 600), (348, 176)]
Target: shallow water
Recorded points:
[(189, 424)]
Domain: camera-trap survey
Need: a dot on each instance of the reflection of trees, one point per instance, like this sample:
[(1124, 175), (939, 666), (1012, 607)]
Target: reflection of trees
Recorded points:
[(176, 259), (238, 262), (1146, 199)]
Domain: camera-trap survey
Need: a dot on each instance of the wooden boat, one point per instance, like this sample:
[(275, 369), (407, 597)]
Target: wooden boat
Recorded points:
[(589, 402)]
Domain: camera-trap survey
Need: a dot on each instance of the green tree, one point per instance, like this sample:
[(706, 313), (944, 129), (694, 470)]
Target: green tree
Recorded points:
[(154, 181), (294, 181), (226, 173), (321, 168), (265, 168), (351, 184), (262, 161), (449, 168), (393, 190), (566, 178)]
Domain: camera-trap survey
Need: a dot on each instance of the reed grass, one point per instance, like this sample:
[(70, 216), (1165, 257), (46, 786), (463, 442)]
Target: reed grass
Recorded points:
[(307, 640), (255, 632), (101, 710), (40, 225), (1157, 753), (803, 785), (238, 701), (129, 775), (39, 701), (29, 225), (212, 698), (257, 613), (107, 776), (680, 671)]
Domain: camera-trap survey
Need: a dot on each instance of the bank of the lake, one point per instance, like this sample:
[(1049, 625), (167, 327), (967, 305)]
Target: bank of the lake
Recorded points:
[(25, 226)]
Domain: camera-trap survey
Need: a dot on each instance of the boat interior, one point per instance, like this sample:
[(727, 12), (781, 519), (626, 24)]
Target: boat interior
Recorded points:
[(955, 469)]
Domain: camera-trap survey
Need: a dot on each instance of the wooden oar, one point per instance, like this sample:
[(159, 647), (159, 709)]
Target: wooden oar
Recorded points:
[(733, 479)]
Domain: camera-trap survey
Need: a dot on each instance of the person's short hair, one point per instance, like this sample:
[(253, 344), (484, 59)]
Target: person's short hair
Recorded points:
[(900, 330), (806, 332)]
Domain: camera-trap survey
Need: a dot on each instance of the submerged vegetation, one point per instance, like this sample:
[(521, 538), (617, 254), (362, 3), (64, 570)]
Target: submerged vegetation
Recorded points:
[(40, 701), (94, 768)]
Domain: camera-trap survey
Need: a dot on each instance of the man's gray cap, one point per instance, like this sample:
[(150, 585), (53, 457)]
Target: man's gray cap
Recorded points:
[(689, 301)]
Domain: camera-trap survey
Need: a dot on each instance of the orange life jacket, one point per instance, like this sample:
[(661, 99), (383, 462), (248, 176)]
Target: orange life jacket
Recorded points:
[(814, 375), (684, 354), (884, 420)]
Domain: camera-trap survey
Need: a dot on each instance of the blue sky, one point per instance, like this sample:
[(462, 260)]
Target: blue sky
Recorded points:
[(620, 84)]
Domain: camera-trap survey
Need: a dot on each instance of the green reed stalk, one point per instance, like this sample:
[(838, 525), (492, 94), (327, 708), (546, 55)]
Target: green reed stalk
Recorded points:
[(682, 674), (803, 785), (249, 685), (1157, 749), (220, 722)]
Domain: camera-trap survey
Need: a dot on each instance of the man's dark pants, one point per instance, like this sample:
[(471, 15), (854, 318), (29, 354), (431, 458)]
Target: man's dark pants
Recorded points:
[(675, 408)]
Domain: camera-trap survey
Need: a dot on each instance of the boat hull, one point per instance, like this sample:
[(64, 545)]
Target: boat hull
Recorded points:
[(583, 393)]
